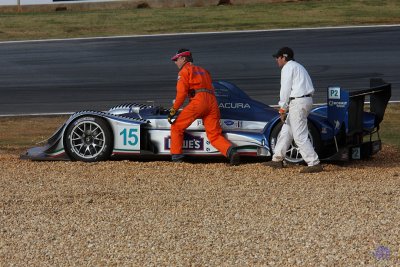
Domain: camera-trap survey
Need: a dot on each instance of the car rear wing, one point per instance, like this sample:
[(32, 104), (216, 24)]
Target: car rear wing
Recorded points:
[(348, 107)]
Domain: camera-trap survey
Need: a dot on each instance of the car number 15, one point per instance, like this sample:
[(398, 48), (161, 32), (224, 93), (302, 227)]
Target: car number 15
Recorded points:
[(129, 138)]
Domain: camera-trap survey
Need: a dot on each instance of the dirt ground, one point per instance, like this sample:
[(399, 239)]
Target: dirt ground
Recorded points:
[(130, 213)]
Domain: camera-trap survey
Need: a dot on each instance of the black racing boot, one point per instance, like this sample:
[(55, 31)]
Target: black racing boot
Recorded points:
[(274, 164), (234, 157), (312, 169)]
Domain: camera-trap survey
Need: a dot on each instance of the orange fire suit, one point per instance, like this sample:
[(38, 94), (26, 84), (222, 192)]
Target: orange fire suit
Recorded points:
[(203, 105)]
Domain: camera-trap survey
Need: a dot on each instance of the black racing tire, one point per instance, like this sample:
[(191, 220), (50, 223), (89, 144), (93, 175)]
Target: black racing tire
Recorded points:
[(293, 155), (88, 139)]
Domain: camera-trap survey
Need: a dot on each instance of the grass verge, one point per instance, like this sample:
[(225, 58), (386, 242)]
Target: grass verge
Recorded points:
[(390, 128), (19, 133), (128, 21)]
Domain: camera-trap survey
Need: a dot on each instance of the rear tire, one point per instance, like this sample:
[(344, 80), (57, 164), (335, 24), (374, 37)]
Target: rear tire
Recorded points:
[(293, 155), (88, 139)]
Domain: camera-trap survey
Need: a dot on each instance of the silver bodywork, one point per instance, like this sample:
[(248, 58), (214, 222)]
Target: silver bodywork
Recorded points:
[(128, 131)]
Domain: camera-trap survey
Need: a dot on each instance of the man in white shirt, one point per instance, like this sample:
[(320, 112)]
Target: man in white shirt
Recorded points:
[(295, 104)]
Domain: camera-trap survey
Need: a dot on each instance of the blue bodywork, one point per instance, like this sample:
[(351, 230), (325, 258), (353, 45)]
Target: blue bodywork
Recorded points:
[(337, 129), (341, 123)]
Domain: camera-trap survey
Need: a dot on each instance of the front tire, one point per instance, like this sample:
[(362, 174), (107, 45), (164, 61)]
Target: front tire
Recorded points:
[(88, 139), (293, 153)]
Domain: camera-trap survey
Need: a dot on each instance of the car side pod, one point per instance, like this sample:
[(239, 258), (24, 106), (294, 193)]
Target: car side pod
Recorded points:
[(352, 123), (262, 151)]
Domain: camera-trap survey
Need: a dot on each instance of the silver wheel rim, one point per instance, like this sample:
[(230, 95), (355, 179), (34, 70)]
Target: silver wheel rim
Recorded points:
[(293, 153), (87, 139)]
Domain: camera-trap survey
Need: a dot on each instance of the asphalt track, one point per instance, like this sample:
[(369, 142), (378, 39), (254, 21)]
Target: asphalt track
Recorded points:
[(58, 76)]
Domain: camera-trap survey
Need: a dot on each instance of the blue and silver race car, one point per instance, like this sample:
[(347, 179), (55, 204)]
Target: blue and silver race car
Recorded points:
[(343, 129)]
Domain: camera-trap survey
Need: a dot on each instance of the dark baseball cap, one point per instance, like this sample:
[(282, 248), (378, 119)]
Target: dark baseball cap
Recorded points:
[(284, 52)]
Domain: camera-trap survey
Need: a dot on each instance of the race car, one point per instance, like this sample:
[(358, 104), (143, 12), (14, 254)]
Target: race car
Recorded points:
[(343, 129)]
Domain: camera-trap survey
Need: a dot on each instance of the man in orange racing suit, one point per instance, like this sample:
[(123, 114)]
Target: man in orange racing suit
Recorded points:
[(195, 82)]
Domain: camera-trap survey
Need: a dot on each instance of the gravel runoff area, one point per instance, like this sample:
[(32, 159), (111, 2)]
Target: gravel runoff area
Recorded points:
[(129, 213)]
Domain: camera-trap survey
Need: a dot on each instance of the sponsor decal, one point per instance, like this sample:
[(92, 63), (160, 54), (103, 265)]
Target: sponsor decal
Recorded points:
[(224, 123), (230, 105), (338, 104), (221, 92), (190, 142), (230, 124)]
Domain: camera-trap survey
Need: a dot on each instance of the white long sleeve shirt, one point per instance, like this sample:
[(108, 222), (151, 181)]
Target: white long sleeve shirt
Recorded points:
[(295, 82)]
